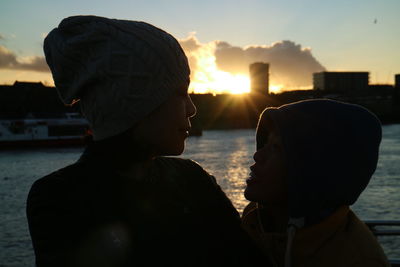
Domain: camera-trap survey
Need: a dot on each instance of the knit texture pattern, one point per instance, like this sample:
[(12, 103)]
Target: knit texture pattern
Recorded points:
[(120, 70)]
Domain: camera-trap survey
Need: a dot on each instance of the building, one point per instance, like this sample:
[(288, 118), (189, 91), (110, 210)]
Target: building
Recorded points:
[(259, 76), (397, 81), (22, 98), (343, 82)]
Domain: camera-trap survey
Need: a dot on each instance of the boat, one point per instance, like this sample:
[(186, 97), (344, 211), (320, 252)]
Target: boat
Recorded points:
[(65, 129)]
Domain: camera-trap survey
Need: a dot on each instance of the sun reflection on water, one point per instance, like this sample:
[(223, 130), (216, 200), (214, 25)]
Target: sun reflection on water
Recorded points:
[(228, 161)]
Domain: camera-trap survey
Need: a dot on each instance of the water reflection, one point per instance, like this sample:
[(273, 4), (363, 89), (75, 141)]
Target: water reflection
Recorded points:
[(228, 159), (225, 154), (237, 171)]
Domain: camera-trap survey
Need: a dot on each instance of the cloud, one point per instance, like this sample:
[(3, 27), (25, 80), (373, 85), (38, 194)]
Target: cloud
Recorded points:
[(8, 60), (291, 65), (2, 37), (190, 44), (204, 76)]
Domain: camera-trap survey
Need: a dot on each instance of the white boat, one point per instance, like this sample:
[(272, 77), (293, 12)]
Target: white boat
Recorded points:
[(64, 130)]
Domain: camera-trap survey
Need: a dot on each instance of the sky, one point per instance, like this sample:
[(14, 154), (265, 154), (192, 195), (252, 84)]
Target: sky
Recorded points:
[(297, 37)]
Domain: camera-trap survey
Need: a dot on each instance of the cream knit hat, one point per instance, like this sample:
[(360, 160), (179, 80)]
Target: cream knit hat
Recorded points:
[(120, 70)]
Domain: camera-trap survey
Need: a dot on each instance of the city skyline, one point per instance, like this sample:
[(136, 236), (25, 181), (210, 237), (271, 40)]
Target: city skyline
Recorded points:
[(295, 37)]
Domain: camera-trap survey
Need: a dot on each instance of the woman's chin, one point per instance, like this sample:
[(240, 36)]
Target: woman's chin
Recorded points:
[(173, 150)]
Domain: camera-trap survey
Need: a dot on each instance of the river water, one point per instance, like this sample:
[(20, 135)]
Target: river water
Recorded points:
[(225, 154)]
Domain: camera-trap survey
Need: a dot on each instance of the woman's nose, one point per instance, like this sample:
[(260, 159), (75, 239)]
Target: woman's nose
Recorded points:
[(190, 108)]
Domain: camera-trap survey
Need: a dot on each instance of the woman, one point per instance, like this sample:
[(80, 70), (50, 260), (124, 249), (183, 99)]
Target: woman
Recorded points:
[(122, 204), (313, 160)]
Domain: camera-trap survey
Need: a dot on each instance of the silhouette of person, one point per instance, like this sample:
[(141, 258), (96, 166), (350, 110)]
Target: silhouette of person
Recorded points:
[(123, 203), (313, 160)]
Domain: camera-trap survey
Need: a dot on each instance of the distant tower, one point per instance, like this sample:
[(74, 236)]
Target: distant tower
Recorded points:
[(397, 81), (259, 76)]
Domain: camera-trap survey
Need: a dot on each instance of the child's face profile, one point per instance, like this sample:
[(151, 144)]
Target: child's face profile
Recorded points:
[(267, 181), (164, 131)]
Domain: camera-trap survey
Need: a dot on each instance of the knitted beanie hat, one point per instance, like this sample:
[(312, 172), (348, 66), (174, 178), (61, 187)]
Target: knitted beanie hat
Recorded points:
[(119, 70)]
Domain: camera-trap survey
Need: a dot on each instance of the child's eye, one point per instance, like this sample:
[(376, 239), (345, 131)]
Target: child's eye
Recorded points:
[(274, 147)]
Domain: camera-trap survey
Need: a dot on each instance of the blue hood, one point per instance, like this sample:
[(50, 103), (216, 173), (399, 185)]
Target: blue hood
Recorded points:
[(332, 151)]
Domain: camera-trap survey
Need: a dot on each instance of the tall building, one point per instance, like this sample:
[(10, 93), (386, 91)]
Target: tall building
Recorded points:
[(259, 76), (397, 81), (341, 81)]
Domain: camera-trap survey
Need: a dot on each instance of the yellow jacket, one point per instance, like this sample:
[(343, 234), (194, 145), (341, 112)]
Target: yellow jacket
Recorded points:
[(339, 240)]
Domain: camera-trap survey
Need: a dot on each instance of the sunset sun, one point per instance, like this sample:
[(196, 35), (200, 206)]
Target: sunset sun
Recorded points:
[(208, 78), (220, 82)]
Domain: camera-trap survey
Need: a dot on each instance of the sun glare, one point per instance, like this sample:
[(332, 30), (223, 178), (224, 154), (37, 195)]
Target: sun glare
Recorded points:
[(273, 88), (207, 78), (220, 82)]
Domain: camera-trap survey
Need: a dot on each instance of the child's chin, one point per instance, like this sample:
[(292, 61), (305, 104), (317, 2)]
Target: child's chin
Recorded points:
[(249, 194)]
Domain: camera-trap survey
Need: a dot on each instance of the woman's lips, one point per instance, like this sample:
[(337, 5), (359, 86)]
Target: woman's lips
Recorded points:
[(185, 132)]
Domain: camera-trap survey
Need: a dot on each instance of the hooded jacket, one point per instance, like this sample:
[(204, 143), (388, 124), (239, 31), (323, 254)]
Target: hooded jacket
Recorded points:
[(340, 239), (331, 151)]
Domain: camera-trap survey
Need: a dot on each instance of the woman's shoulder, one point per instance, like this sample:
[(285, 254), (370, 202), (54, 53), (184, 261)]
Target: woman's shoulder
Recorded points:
[(64, 172), (182, 165), (59, 181), (187, 171), (52, 190), (175, 162)]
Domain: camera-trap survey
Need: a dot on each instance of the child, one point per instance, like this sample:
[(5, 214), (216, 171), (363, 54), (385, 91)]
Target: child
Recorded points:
[(313, 160)]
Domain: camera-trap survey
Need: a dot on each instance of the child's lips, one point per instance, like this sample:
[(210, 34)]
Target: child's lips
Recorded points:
[(252, 178)]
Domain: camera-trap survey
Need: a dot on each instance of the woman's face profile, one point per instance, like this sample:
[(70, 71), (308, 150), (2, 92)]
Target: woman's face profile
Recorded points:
[(164, 131)]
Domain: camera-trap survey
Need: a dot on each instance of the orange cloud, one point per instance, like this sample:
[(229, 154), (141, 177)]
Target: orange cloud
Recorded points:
[(9, 61), (291, 65)]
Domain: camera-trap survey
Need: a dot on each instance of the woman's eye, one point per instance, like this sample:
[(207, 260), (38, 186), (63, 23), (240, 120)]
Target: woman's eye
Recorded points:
[(184, 94)]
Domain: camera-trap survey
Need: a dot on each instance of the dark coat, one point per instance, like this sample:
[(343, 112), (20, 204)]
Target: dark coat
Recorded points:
[(87, 215)]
